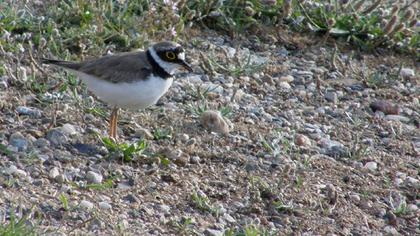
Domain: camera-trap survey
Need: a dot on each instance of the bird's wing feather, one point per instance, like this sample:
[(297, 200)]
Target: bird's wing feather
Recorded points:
[(119, 68), (124, 67)]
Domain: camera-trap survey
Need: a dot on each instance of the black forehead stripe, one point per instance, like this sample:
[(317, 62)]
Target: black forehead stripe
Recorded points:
[(174, 49), (179, 49)]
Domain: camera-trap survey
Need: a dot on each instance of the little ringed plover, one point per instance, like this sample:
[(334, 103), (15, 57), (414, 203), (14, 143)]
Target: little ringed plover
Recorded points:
[(133, 80)]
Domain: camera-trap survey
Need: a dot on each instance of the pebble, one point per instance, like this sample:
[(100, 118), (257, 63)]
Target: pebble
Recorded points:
[(398, 181), (389, 230), (410, 181), (3, 84), (165, 209), (213, 232), (386, 107), (61, 178), (29, 111), (371, 165), (194, 159), (333, 148), (105, 206), (86, 205), (93, 177), (54, 172), (331, 96), (302, 140), (355, 198), (287, 78), (229, 218), (19, 141), (213, 121), (131, 198), (11, 170), (284, 85), (57, 137), (20, 173), (41, 142), (397, 118), (69, 129), (407, 73), (143, 133), (412, 208)]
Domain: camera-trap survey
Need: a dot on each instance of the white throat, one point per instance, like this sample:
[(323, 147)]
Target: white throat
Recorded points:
[(170, 68)]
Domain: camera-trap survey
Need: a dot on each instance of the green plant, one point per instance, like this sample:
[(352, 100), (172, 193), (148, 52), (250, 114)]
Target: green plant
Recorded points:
[(17, 226), (203, 203), (367, 24), (299, 181), (249, 230), (64, 201), (401, 209), (159, 134), (183, 226), (107, 184), (127, 151)]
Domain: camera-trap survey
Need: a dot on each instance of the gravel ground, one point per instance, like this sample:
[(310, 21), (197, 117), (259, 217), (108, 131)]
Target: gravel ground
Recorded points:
[(312, 140)]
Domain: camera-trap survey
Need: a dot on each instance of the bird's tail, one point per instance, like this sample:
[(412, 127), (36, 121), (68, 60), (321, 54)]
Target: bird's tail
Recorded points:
[(65, 64)]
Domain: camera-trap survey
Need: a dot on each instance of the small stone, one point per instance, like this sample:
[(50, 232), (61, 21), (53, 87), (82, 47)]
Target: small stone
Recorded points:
[(3, 85), (398, 181), (389, 230), (287, 78), (397, 118), (54, 172), (69, 129), (302, 140), (86, 205), (213, 121), (183, 137), (61, 178), (20, 173), (143, 133), (238, 95), (284, 85), (165, 209), (19, 141), (213, 232), (32, 112), (41, 142), (371, 166), (11, 170), (93, 177), (412, 208), (131, 198), (386, 107), (412, 182), (229, 218), (355, 198), (194, 159), (407, 73), (105, 206), (57, 137), (331, 96)]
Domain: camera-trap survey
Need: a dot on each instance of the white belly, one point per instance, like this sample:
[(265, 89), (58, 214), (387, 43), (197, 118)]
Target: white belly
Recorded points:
[(135, 95)]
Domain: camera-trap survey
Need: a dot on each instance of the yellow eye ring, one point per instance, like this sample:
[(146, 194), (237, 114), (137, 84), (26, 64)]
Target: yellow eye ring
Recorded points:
[(170, 55)]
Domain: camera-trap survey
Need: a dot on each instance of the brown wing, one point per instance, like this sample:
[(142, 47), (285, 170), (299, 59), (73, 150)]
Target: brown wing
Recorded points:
[(124, 67)]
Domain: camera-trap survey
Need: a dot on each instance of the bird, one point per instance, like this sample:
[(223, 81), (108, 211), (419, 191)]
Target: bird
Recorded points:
[(132, 80)]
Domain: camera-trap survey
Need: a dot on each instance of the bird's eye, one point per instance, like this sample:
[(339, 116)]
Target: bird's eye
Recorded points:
[(170, 55)]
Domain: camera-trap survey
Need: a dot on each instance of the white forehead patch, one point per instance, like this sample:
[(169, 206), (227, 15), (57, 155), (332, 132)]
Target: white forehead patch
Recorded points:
[(181, 56)]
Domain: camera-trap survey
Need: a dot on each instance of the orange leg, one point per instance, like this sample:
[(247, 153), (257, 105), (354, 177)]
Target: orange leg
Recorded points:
[(113, 123)]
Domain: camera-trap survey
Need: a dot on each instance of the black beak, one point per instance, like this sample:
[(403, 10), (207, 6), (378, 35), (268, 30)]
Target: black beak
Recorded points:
[(187, 66)]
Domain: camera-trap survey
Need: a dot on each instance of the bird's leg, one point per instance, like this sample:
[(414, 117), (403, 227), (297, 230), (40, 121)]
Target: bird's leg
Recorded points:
[(113, 123)]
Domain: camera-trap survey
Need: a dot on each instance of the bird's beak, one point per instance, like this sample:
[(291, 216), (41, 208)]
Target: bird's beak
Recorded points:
[(187, 66)]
